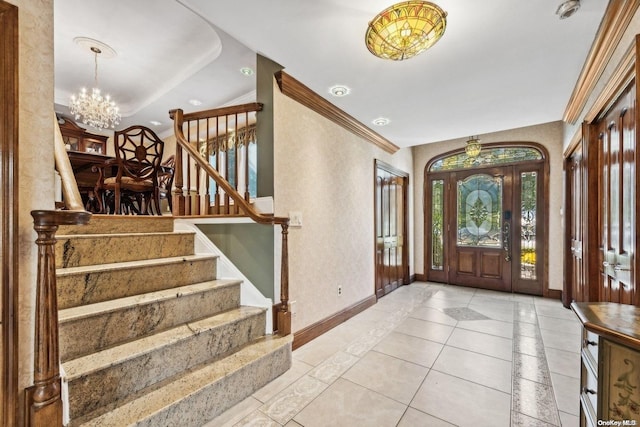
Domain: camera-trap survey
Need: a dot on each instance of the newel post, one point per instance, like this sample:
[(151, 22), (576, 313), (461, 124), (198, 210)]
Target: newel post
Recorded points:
[(284, 315), (43, 399)]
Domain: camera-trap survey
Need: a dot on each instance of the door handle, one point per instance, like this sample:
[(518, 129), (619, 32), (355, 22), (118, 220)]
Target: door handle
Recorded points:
[(618, 267), (506, 239), (605, 264)]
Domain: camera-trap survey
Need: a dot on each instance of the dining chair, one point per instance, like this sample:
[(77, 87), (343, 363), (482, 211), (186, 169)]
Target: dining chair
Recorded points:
[(134, 188)]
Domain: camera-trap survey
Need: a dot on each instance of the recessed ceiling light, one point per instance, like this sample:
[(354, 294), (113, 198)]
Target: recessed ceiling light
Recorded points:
[(339, 90), (155, 122), (247, 71), (195, 102), (380, 121)]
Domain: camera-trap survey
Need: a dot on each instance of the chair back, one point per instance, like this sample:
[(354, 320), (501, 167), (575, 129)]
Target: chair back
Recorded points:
[(139, 153)]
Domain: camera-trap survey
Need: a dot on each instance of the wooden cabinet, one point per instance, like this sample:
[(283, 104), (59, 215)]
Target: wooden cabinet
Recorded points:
[(78, 139), (610, 359)]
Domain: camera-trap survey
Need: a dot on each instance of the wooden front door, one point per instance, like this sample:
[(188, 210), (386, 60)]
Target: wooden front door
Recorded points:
[(480, 229), (618, 200), (485, 226), (392, 266), (574, 167)]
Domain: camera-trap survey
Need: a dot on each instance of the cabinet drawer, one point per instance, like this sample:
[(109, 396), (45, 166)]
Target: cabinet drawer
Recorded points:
[(590, 342), (588, 388)]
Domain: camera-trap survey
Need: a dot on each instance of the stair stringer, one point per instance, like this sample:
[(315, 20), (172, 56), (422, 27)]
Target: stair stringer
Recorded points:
[(249, 294)]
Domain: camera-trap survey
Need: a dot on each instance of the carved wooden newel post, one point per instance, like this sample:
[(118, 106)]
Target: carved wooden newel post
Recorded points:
[(284, 315), (44, 403)]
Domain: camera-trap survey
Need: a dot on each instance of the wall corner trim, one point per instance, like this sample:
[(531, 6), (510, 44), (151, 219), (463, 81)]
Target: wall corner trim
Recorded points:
[(297, 91)]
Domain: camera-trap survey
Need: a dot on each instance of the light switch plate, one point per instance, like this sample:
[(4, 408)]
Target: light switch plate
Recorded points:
[(295, 219)]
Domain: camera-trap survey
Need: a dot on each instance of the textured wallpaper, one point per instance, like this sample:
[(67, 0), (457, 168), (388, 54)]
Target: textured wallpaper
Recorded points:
[(327, 174)]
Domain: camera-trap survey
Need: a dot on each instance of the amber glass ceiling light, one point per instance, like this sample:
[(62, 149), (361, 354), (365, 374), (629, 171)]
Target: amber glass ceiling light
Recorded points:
[(405, 29)]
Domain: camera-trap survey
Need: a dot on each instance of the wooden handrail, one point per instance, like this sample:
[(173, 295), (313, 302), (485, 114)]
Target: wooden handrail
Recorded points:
[(44, 400), (70, 192), (283, 316)]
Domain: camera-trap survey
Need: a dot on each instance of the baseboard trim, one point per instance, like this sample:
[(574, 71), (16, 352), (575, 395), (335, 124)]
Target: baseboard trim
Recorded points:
[(554, 293), (305, 335), (419, 277)]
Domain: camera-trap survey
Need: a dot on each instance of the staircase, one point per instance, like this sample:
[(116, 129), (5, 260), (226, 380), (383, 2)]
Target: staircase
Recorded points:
[(148, 335)]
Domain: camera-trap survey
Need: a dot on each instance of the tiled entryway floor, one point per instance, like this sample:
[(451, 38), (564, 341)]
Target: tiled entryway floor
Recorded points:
[(431, 355)]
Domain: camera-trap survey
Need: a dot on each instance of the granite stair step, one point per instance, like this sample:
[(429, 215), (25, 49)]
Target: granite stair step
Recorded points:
[(97, 283), (204, 393), (90, 328), (113, 374), (75, 250), (103, 224)]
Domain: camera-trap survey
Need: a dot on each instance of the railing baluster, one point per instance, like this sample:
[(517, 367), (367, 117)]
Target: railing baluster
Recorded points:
[(219, 173), (207, 197)]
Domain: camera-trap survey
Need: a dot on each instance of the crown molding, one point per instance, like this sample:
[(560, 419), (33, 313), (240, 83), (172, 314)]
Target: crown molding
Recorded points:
[(614, 24), (297, 91)]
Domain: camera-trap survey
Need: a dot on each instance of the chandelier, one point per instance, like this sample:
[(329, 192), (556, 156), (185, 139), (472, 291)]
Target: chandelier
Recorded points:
[(95, 109), (405, 29), (473, 147)]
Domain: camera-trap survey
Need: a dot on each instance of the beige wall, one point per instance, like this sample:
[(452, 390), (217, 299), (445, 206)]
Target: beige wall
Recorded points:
[(550, 136), (36, 165), (327, 173)]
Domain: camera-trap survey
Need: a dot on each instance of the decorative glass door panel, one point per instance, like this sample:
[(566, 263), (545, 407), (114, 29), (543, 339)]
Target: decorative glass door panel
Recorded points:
[(485, 226), (480, 211)]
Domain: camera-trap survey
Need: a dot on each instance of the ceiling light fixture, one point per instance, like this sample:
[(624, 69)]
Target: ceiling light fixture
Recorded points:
[(568, 8), (246, 71), (405, 29), (94, 110), (473, 147), (381, 121), (195, 102), (339, 90)]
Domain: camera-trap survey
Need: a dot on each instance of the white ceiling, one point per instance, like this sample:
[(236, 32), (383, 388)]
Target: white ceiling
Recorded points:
[(501, 64)]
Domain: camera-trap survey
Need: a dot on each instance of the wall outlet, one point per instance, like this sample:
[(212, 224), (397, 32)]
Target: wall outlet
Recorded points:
[(293, 307), (339, 290)]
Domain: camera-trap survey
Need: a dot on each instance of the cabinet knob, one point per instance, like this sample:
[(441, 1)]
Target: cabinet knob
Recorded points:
[(586, 390), (587, 343)]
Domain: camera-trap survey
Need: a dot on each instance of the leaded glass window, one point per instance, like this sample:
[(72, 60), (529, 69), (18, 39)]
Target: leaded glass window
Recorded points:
[(480, 211), (437, 224), (487, 157), (528, 209)]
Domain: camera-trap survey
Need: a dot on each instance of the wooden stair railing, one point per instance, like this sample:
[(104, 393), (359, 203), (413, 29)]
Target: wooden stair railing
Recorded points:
[(44, 399), (240, 205), (70, 192)]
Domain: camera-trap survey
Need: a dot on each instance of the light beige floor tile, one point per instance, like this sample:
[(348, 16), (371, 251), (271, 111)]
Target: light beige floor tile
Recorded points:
[(569, 420), (563, 362), (526, 329), (521, 420), (257, 419), (332, 368), (557, 311), (298, 369), (315, 352), (567, 392), (490, 345), (347, 404), (235, 413), (535, 400), (387, 375), (414, 418), (424, 329), (569, 326), (528, 345), (442, 303), (478, 368), (292, 424), (283, 406), (561, 340), (493, 312), (411, 349), (462, 402), (531, 368), (462, 298), (489, 326), (432, 315)]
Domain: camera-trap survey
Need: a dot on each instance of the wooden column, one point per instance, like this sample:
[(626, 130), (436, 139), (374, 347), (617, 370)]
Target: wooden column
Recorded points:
[(284, 315), (43, 399)]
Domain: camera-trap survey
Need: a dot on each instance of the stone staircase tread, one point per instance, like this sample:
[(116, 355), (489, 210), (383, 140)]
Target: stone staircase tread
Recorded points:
[(68, 271), (107, 235), (103, 359), (153, 402), (110, 306)]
